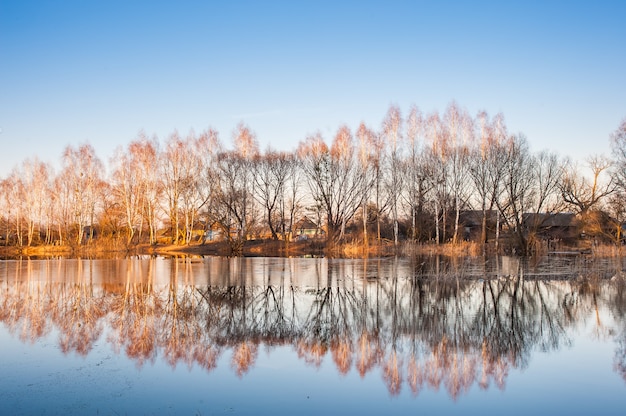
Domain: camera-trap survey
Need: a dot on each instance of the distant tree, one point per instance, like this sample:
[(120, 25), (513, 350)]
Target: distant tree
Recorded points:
[(377, 159), (127, 183), (415, 170), (517, 187), (436, 156), (230, 209), (196, 192), (12, 194), (583, 194), (334, 177), (234, 187), (616, 202), (548, 177), (35, 181), (459, 134), (209, 148), (367, 158), (148, 157), (485, 166), (82, 178), (173, 179), (272, 173), (392, 133), (293, 202), (618, 148)]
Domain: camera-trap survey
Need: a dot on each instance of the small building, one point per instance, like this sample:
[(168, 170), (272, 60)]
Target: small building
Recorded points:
[(471, 222), (560, 225), (305, 228)]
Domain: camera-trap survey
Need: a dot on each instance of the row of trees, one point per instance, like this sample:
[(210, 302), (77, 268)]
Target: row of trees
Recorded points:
[(410, 179)]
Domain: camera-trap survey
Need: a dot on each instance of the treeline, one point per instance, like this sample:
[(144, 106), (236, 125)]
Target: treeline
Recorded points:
[(410, 179)]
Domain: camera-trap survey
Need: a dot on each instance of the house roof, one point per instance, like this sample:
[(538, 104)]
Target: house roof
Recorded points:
[(305, 224), (474, 218), (545, 220)]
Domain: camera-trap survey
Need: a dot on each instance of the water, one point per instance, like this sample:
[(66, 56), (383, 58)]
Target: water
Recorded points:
[(312, 336)]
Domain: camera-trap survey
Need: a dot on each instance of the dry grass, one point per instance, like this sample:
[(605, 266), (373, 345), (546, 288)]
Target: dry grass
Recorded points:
[(461, 249), (270, 248), (607, 250), (103, 249)]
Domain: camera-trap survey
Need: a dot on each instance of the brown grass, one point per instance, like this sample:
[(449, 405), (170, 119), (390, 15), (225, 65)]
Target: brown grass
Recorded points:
[(108, 249), (461, 249), (607, 250), (273, 248)]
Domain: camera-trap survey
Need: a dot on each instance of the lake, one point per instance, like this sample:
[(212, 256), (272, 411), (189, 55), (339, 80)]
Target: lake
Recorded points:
[(208, 336)]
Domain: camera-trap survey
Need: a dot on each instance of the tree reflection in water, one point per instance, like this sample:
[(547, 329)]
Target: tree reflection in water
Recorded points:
[(427, 324)]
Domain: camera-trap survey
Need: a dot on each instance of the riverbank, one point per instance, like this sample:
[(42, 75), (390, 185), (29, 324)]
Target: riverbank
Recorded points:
[(252, 248), (272, 248)]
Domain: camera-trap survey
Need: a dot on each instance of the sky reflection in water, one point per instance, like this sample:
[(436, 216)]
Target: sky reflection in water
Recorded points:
[(259, 335)]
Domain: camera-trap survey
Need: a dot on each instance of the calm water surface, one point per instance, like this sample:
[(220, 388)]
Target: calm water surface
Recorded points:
[(312, 336)]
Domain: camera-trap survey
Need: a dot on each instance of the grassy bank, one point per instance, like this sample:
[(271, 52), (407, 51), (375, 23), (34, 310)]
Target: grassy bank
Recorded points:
[(271, 248)]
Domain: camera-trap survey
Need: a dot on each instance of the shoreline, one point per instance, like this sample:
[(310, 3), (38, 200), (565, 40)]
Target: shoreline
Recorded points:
[(273, 248)]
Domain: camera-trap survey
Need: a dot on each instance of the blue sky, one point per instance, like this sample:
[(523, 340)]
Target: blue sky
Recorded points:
[(100, 71)]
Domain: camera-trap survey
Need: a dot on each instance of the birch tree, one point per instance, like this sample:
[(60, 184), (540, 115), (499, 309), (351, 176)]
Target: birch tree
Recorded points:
[(459, 135), (391, 130), (173, 178), (34, 188), (367, 160), (415, 169), (83, 176), (437, 155), (234, 209), (485, 167)]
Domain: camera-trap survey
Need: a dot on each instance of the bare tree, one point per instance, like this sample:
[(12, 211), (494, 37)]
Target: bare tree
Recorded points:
[(392, 133), (126, 183), (293, 197), (517, 187), (334, 178), (33, 187), (247, 147), (186, 179), (436, 156), (618, 148), (366, 150), (486, 166), (209, 148), (415, 168), (82, 174), (196, 191), (272, 173), (459, 136), (582, 193), (13, 192), (234, 208), (548, 176), (148, 156), (173, 177), (230, 208)]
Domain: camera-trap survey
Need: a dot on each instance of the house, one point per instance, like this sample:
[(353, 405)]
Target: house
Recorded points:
[(471, 222), (218, 232), (305, 228), (561, 225)]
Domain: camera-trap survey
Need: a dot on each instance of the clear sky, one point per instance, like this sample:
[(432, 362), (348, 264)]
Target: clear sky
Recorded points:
[(100, 71)]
